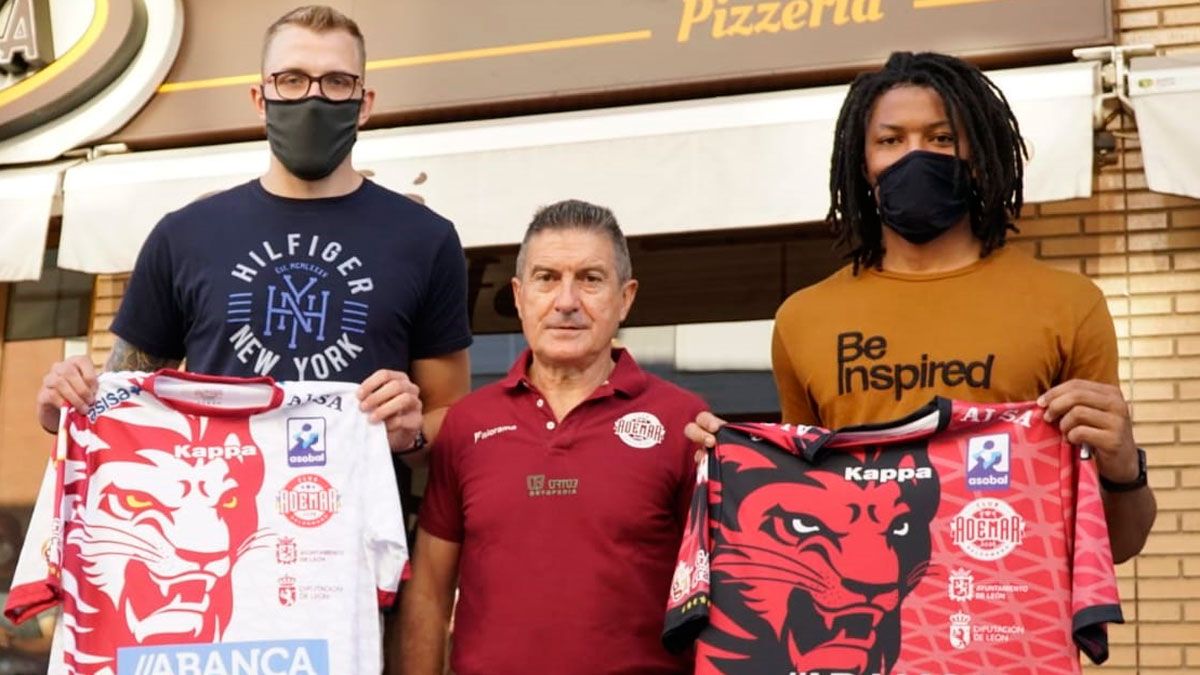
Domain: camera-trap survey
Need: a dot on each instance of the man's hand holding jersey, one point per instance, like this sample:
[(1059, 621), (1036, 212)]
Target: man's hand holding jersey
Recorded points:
[(1097, 415), (72, 382), (391, 398)]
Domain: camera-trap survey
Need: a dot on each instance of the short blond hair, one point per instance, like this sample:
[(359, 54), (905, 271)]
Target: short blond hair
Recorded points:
[(318, 19)]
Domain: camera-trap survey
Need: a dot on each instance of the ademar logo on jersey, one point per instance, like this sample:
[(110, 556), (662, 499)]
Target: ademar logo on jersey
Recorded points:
[(300, 300), (987, 529), (308, 500), (640, 430)]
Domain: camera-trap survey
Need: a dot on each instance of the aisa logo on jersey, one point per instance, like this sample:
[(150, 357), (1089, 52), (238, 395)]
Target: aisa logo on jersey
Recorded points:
[(988, 462), (306, 441), (274, 657)]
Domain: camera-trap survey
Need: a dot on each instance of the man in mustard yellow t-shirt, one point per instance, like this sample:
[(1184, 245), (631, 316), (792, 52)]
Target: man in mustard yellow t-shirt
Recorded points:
[(927, 179)]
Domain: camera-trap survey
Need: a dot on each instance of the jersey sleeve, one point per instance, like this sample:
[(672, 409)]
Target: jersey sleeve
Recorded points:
[(688, 602), (794, 402), (387, 545), (444, 326), (1094, 599), (36, 581), (150, 317), (442, 507), (1093, 355)]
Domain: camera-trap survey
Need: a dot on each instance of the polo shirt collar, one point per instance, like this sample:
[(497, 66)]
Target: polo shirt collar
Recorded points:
[(627, 376)]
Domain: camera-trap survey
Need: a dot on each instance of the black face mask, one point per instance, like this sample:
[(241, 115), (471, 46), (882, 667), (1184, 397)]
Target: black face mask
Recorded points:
[(311, 136), (924, 194)]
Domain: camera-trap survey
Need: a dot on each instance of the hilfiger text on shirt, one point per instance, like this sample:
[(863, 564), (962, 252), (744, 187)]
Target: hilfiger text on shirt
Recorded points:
[(303, 297), (861, 366)]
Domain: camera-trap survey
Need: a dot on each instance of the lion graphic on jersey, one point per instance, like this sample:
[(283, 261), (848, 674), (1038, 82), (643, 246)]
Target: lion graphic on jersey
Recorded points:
[(806, 579), (169, 512)]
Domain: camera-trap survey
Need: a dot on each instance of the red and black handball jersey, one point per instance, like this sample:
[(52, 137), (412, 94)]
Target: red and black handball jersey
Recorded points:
[(964, 538)]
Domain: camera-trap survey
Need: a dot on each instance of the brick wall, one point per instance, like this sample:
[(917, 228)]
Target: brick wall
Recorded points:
[(106, 297), (1143, 250)]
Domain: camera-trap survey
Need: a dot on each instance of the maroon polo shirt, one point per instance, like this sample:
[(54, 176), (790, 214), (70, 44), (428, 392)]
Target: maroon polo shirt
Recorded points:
[(569, 528)]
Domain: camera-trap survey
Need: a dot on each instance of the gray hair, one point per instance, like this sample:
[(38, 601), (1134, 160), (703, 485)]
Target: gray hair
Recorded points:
[(575, 214)]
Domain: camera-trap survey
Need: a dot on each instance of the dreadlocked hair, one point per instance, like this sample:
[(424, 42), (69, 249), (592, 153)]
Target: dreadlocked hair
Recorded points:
[(991, 131)]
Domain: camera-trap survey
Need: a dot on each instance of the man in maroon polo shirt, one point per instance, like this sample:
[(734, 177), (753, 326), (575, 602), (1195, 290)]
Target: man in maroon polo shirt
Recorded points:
[(558, 495)]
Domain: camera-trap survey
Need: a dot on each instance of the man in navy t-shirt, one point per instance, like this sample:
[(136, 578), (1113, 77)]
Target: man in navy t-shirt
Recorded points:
[(309, 273)]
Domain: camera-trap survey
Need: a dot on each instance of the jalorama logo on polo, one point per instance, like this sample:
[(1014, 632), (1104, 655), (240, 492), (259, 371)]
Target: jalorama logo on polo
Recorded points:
[(987, 529), (640, 430), (308, 500)]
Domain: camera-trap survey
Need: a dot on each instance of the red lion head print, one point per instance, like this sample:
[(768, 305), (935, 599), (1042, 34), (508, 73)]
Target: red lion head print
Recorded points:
[(811, 565), (169, 511)]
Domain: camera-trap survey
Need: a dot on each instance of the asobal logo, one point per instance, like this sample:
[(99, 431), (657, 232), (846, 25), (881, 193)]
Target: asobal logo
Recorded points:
[(73, 71), (988, 462)]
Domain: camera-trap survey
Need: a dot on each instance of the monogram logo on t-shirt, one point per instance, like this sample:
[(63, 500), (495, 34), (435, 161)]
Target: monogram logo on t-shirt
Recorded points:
[(304, 299)]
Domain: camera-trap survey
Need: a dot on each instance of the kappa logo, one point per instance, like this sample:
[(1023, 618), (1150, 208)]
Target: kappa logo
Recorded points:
[(859, 474), (987, 529), (640, 430), (306, 444), (308, 500), (494, 431), (988, 462), (212, 452)]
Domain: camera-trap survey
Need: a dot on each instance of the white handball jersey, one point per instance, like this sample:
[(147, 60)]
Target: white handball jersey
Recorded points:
[(192, 524)]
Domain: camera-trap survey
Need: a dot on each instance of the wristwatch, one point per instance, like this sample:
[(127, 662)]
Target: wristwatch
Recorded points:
[(418, 443), (1135, 484)]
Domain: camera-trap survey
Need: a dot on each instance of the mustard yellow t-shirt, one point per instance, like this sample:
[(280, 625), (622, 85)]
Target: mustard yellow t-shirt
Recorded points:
[(874, 347)]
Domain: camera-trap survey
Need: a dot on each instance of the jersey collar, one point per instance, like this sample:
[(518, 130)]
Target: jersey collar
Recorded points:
[(184, 392)]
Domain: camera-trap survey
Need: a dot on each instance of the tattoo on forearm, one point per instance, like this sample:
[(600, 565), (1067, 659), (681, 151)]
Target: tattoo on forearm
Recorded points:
[(125, 356)]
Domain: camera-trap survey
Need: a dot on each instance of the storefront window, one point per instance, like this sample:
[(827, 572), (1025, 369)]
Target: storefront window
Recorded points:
[(55, 306)]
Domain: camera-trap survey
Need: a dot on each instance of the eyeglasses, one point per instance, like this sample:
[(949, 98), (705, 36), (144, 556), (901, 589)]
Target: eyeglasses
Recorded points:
[(292, 85)]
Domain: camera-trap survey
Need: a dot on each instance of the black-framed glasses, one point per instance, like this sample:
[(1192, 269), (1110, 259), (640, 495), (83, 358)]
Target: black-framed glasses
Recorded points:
[(292, 85)]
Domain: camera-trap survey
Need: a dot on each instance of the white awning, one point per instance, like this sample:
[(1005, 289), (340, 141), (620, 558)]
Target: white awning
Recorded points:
[(26, 203), (1166, 102), (708, 164)]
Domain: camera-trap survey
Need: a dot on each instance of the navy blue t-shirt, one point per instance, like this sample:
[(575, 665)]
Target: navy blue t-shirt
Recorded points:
[(248, 283)]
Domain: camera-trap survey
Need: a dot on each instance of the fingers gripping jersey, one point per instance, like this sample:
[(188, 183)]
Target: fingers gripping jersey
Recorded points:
[(964, 538), (194, 524)]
